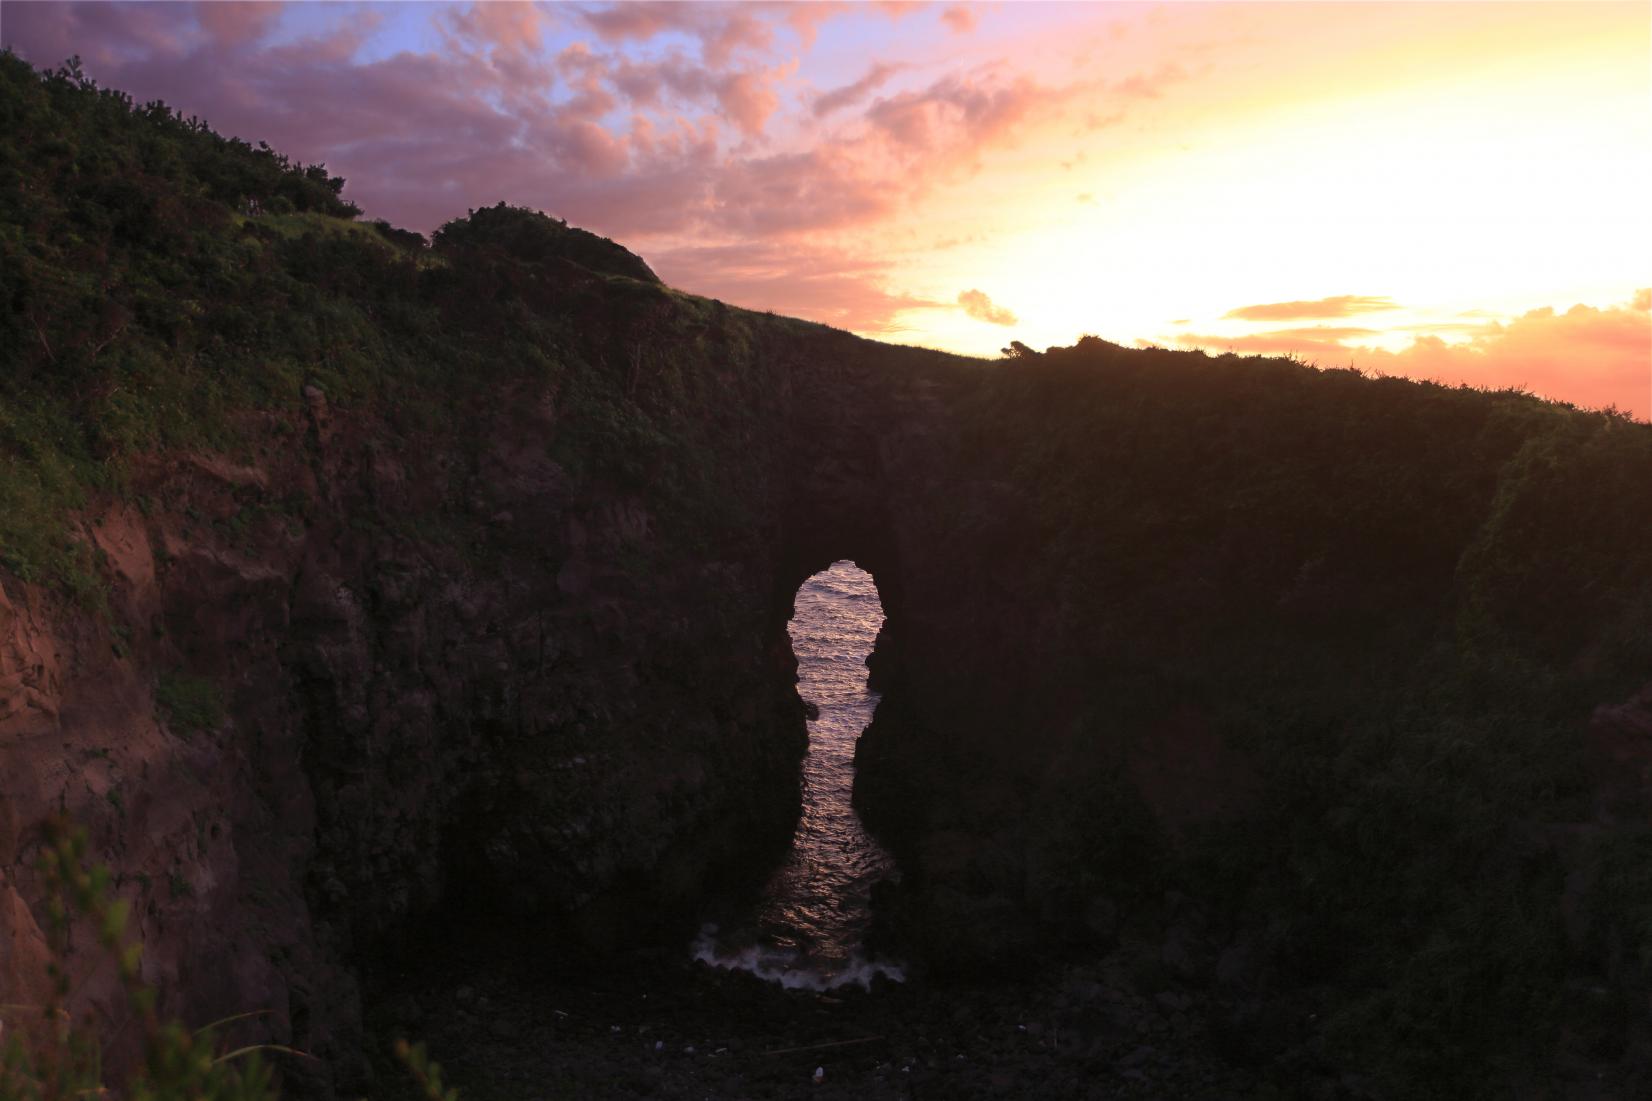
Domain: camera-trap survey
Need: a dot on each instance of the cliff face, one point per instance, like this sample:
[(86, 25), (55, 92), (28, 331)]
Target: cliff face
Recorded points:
[(370, 673), (455, 591), (533, 717), (1287, 681)]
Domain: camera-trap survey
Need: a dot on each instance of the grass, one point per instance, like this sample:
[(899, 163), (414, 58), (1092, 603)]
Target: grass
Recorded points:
[(158, 283), (190, 704)]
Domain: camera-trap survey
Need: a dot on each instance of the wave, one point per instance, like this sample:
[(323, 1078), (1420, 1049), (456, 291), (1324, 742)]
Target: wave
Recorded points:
[(790, 968)]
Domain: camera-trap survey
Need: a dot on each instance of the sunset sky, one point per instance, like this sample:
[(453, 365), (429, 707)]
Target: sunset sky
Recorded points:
[(1456, 191)]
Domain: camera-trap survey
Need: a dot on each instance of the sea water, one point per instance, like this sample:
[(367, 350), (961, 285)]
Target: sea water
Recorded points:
[(810, 926)]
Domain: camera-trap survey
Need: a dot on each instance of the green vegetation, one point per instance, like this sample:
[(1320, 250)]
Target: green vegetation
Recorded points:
[(530, 237), (159, 284), (191, 704), (1398, 600)]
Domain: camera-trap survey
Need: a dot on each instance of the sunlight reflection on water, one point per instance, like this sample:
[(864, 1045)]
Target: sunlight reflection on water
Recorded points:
[(810, 927)]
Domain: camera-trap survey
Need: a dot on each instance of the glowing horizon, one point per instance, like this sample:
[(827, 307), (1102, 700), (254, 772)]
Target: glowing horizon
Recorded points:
[(1435, 190)]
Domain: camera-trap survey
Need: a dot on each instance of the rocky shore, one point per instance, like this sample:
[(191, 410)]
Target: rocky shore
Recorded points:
[(657, 1027)]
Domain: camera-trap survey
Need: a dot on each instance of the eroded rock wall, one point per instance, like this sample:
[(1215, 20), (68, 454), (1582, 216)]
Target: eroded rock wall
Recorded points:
[(360, 678), (1284, 681), (1187, 651)]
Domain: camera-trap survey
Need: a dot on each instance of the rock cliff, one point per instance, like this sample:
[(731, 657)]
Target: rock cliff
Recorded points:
[(450, 599)]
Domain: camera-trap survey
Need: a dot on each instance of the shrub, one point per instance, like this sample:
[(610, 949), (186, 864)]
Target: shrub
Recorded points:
[(190, 704)]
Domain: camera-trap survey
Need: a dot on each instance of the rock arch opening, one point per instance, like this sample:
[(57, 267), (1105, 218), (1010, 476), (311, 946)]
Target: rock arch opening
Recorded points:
[(808, 925)]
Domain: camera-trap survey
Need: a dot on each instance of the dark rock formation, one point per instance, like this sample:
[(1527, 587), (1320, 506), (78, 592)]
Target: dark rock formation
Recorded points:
[(502, 721), (463, 613), (462, 690)]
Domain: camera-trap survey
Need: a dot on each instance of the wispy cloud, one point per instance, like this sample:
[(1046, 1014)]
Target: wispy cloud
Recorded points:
[(1342, 305), (841, 97), (977, 305), (1151, 85)]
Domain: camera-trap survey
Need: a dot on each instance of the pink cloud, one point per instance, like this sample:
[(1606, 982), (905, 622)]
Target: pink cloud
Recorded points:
[(958, 115), (579, 142), (102, 35), (847, 94), (960, 18), (823, 188), (721, 29), (585, 76), (234, 24), (748, 99), (806, 16), (697, 137), (640, 21), (745, 97), (421, 136)]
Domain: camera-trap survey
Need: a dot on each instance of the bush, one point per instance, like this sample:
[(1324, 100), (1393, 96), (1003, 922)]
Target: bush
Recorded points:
[(190, 704)]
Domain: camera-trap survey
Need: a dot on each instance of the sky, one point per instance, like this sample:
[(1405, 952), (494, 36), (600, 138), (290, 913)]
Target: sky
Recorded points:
[(1453, 191)]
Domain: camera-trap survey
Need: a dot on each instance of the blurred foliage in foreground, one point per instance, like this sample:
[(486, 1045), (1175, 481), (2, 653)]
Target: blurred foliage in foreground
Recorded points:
[(48, 1055)]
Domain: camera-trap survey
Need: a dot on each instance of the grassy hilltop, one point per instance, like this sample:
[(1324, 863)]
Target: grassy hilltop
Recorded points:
[(160, 282)]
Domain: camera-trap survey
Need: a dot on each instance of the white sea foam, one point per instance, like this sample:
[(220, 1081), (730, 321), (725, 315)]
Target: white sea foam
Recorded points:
[(790, 968)]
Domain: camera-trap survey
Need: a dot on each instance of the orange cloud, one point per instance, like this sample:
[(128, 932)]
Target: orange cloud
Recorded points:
[(1587, 356), (977, 305), (1591, 357), (823, 284), (1341, 305)]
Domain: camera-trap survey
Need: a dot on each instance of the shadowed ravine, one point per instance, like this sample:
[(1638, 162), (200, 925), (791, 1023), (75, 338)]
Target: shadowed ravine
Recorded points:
[(809, 928)]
